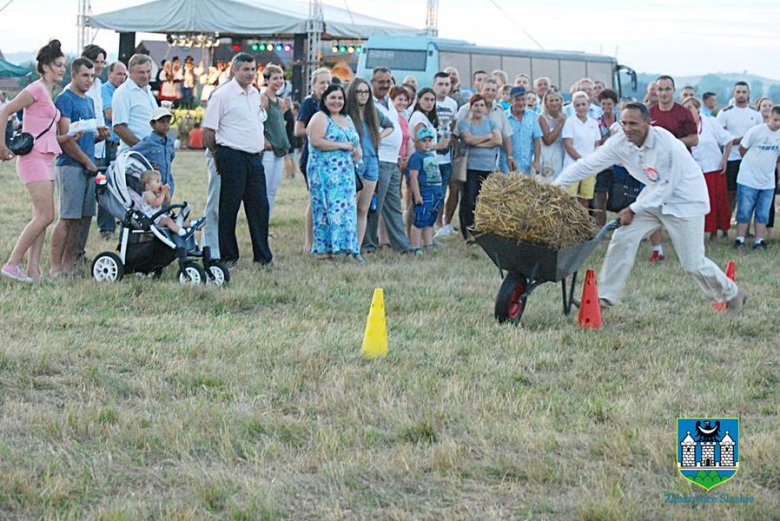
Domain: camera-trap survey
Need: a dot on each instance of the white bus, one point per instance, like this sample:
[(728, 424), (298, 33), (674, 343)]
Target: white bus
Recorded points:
[(423, 56)]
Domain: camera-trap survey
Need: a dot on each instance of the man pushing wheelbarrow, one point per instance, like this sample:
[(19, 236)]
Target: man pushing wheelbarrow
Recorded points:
[(675, 197)]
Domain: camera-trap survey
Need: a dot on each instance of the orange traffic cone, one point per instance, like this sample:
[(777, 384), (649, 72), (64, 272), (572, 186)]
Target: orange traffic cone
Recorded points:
[(590, 309), (731, 272)]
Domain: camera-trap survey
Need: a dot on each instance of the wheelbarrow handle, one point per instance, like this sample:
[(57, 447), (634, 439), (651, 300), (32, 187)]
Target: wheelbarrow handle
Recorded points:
[(612, 225)]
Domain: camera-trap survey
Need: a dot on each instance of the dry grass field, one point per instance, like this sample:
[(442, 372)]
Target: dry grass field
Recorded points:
[(147, 399)]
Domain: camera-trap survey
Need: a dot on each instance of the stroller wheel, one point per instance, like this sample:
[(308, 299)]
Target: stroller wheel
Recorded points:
[(192, 273), (220, 274), (107, 267)]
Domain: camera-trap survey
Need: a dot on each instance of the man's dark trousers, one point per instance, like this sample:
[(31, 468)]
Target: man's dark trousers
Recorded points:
[(243, 180), (106, 221)]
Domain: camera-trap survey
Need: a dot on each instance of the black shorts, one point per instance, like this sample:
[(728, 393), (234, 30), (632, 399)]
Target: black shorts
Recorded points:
[(303, 163), (771, 223), (732, 169), (604, 181)]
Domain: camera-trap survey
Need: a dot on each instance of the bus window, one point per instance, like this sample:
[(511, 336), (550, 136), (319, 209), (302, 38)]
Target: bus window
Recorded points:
[(396, 59), (601, 72), (514, 65), (571, 72), (485, 62), (546, 68)]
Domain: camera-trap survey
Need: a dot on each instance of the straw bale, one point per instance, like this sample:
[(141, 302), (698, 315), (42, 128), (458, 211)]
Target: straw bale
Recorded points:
[(519, 207)]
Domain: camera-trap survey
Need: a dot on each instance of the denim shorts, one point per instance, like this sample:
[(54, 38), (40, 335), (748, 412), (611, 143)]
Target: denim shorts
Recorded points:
[(370, 170), (749, 199), (425, 214)]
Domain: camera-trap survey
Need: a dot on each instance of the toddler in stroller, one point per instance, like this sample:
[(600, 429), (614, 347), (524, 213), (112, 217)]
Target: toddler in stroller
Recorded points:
[(155, 196), (150, 236)]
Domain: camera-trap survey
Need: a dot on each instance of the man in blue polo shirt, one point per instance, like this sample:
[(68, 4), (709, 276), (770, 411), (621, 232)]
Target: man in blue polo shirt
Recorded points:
[(117, 74), (74, 167), (526, 136)]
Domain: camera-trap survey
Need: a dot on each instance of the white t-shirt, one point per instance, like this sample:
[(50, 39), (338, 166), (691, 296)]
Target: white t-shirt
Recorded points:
[(583, 134), (417, 118), (445, 112), (757, 169), (712, 137), (738, 121)]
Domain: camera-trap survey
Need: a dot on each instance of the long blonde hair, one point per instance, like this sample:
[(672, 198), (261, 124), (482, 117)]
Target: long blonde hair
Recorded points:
[(546, 98)]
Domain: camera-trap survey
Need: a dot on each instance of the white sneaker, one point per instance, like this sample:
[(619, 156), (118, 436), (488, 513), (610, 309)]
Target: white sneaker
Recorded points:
[(446, 230)]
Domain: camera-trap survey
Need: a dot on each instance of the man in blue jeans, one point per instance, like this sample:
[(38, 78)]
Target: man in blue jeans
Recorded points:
[(233, 133)]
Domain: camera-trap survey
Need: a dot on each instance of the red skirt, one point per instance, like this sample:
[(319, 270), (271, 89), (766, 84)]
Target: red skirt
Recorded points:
[(719, 217)]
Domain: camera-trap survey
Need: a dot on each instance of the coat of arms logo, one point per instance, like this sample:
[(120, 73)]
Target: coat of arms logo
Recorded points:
[(708, 450)]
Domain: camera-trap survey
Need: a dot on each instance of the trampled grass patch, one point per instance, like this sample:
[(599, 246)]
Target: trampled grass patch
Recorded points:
[(150, 400)]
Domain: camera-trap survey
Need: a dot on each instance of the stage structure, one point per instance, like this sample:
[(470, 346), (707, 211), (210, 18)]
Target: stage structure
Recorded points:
[(304, 26)]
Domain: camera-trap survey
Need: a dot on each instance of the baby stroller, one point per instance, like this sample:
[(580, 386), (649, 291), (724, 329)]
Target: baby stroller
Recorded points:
[(145, 247)]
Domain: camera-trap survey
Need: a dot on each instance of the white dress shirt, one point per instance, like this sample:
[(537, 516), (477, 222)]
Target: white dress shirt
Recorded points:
[(673, 181), (96, 93), (389, 146), (236, 117)]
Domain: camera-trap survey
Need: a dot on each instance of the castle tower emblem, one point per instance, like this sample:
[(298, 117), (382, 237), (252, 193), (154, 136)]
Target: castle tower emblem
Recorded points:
[(704, 455)]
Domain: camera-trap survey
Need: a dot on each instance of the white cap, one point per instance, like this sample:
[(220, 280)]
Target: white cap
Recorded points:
[(160, 112)]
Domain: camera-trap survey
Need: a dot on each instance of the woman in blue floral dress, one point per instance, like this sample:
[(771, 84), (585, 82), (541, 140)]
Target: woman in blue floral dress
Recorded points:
[(334, 146)]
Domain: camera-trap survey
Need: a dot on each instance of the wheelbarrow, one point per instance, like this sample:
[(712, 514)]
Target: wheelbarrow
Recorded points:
[(527, 266)]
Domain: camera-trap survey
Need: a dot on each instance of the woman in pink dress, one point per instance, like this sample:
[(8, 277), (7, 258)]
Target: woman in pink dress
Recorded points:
[(36, 169)]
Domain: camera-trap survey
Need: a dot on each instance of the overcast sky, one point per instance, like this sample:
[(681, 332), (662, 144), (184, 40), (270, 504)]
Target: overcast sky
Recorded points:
[(660, 36)]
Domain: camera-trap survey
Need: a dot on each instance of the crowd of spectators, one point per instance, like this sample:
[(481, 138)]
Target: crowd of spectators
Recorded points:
[(387, 163)]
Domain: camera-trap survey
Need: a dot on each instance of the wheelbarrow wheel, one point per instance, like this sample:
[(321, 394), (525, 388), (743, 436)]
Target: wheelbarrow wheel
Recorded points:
[(511, 298)]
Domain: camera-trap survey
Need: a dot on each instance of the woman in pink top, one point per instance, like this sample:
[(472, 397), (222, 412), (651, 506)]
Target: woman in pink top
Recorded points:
[(36, 169)]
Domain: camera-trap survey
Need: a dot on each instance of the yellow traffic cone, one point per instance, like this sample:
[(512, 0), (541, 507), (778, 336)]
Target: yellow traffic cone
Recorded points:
[(375, 337)]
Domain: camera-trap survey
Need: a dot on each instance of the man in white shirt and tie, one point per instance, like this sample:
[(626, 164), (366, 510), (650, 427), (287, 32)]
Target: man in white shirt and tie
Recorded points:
[(675, 197)]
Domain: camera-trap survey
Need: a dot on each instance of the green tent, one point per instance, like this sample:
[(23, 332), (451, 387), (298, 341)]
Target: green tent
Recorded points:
[(9, 70)]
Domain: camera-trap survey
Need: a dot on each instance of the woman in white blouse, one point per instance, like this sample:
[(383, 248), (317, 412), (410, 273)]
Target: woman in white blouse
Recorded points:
[(712, 159)]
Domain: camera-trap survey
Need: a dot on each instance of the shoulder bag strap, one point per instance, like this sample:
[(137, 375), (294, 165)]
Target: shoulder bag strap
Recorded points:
[(56, 111)]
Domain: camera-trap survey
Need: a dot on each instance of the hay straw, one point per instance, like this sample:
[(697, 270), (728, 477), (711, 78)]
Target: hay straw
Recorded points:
[(519, 207)]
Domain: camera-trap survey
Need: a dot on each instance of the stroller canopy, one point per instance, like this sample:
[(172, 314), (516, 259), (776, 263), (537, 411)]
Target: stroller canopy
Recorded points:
[(123, 184), (124, 178)]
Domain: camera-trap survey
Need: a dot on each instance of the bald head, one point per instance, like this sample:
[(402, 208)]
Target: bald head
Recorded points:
[(117, 73)]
